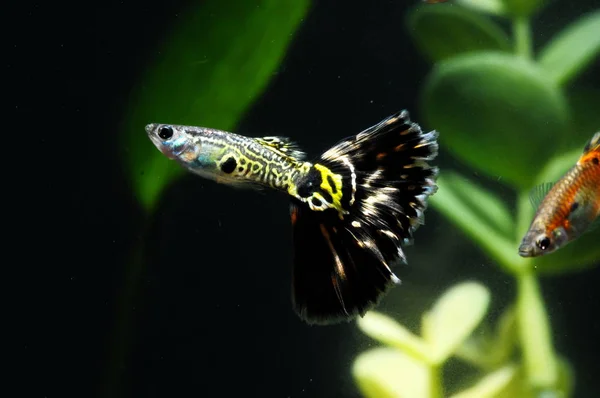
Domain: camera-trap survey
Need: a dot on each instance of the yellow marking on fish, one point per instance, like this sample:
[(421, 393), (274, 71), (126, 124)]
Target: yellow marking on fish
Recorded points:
[(337, 180)]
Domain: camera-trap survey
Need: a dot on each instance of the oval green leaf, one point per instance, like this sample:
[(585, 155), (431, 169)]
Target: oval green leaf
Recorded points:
[(453, 318), (445, 30), (572, 49), (491, 385), (388, 331), (388, 373), (216, 61), (498, 113)]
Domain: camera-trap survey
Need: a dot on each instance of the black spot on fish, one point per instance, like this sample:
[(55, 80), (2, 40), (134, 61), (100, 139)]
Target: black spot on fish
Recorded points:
[(332, 184), (228, 166), (316, 202), (574, 206), (595, 160), (308, 184), (326, 196)]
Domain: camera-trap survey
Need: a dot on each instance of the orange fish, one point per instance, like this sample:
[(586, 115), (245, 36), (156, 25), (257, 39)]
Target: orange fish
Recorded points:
[(567, 208)]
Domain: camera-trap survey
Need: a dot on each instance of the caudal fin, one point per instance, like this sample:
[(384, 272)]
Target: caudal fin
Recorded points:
[(380, 181)]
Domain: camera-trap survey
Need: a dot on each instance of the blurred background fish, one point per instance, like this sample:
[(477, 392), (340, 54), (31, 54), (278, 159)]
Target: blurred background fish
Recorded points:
[(568, 208)]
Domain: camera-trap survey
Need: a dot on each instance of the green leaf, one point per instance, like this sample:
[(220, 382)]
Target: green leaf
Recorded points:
[(216, 60), (388, 373), (478, 213), (490, 350), (491, 385), (388, 331), (444, 31), (453, 318), (494, 7), (572, 49), (498, 113), (522, 8)]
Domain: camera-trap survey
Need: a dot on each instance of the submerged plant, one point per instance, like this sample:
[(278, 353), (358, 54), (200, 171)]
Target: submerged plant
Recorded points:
[(510, 115), (214, 61)]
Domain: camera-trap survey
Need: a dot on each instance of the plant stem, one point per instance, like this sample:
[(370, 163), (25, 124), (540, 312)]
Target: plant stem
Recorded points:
[(436, 389), (522, 36), (541, 364)]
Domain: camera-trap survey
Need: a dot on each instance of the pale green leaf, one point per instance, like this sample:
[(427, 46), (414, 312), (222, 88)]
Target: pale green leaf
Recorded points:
[(386, 330), (498, 113), (453, 318), (389, 373), (216, 60), (490, 350), (491, 385), (444, 31), (572, 49)]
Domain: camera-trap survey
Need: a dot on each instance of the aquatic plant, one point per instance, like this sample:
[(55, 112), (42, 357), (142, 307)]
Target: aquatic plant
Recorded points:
[(213, 63), (511, 115)]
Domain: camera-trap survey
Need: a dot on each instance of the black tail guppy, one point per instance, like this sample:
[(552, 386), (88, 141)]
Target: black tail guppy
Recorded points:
[(352, 208)]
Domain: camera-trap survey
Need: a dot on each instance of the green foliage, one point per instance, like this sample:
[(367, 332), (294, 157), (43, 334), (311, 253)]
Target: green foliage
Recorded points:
[(522, 8), (507, 116), (215, 62), (485, 104), (573, 49), (411, 366), (445, 31)]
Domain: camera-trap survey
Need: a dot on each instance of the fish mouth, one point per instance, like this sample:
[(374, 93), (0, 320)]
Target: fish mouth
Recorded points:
[(150, 128), (525, 251)]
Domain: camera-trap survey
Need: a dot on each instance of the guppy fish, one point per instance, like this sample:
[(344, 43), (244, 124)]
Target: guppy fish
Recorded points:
[(351, 209), (568, 208)]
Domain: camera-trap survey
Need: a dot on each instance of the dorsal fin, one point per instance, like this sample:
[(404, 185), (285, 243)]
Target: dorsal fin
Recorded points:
[(283, 145), (538, 193), (591, 150)]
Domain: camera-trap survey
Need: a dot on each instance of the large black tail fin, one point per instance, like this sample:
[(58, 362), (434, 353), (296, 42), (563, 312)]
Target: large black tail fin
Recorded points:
[(376, 184)]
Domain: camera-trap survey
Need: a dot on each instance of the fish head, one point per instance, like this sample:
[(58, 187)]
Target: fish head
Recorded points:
[(172, 140), (539, 241), (201, 150)]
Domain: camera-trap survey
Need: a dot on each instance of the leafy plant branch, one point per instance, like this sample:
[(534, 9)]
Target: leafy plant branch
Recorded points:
[(504, 112)]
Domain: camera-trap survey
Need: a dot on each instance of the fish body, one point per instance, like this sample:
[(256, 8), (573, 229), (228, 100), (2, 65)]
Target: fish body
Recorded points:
[(351, 208), (568, 208)]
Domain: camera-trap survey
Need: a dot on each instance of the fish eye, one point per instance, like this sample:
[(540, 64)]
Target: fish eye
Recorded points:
[(543, 243), (165, 132)]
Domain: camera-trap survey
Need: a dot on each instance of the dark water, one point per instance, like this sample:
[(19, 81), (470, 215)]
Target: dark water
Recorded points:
[(212, 312)]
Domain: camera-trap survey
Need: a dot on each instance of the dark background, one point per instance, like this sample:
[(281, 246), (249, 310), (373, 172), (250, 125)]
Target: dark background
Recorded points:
[(212, 311)]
